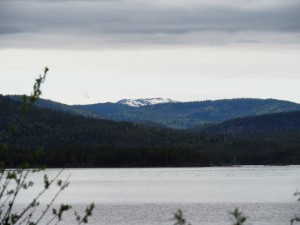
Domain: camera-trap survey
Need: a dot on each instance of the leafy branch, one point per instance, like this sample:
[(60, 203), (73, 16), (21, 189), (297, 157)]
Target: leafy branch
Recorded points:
[(13, 180)]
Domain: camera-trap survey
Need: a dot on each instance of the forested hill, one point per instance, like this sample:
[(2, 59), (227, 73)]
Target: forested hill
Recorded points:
[(182, 115), (57, 106), (76, 141), (51, 129), (192, 114), (258, 126)]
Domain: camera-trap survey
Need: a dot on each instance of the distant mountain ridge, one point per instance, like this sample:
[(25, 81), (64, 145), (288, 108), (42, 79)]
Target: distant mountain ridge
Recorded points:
[(185, 115), (145, 101), (159, 112)]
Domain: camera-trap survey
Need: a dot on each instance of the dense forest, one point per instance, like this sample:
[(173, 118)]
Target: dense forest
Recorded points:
[(76, 141), (267, 125)]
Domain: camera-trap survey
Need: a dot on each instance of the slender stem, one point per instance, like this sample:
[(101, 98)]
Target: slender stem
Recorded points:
[(5, 185), (21, 179), (37, 197), (50, 221), (66, 182)]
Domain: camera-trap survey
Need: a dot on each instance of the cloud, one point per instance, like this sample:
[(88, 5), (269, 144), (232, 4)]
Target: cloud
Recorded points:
[(98, 23)]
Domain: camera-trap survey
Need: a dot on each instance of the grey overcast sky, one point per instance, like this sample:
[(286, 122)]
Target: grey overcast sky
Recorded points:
[(106, 50)]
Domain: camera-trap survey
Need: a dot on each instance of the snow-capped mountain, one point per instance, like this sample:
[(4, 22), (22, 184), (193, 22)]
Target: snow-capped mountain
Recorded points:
[(145, 101)]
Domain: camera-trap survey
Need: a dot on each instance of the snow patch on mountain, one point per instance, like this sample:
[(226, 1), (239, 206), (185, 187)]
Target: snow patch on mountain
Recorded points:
[(145, 101)]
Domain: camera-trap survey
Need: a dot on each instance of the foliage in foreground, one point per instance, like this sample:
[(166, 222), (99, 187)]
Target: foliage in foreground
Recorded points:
[(237, 216), (15, 179)]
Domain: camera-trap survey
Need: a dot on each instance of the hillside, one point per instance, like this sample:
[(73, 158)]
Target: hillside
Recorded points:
[(178, 115), (258, 126), (56, 128), (57, 106), (185, 115), (72, 140), (76, 141)]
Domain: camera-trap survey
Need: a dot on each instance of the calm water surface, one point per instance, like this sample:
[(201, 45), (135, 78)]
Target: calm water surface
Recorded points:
[(206, 195)]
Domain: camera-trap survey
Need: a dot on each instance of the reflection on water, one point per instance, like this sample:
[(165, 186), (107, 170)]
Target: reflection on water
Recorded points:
[(150, 196)]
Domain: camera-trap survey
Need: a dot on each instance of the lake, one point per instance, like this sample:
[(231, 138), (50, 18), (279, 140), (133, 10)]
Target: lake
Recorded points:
[(150, 196)]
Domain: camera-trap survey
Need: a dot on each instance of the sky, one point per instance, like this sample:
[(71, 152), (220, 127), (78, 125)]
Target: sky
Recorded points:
[(187, 50)]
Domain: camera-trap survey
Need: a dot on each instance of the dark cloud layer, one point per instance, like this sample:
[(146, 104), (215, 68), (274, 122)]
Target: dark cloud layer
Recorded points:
[(82, 23)]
